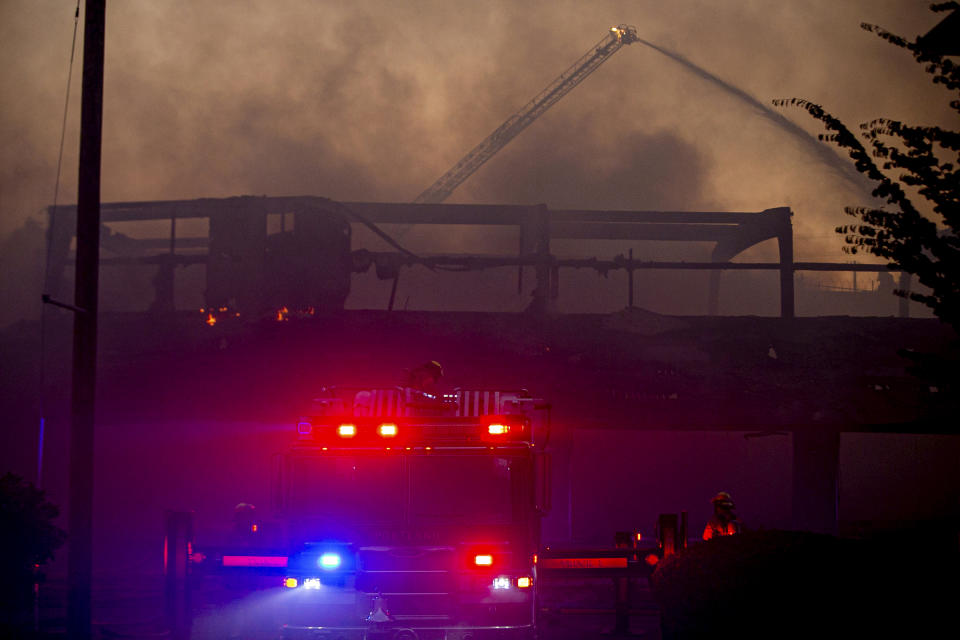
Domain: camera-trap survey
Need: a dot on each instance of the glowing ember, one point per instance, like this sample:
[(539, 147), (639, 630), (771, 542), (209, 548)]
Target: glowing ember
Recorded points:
[(211, 319)]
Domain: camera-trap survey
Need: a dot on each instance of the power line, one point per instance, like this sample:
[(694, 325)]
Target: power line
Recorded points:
[(46, 269)]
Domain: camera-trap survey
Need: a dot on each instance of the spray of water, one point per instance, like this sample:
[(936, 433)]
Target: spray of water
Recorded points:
[(818, 149)]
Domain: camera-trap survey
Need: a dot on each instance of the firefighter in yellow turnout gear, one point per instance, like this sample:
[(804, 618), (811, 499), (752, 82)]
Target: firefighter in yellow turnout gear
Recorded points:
[(724, 521)]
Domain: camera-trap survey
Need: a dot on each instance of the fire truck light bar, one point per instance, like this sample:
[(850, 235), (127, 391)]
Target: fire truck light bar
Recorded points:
[(418, 431)]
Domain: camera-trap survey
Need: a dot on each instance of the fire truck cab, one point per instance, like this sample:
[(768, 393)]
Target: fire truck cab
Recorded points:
[(414, 515)]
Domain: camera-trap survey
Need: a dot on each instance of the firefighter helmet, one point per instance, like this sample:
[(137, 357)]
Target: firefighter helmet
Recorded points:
[(722, 500), (424, 376), (433, 367)]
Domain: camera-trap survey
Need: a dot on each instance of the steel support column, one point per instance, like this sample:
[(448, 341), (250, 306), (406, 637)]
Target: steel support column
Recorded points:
[(785, 243), (904, 284), (540, 234)]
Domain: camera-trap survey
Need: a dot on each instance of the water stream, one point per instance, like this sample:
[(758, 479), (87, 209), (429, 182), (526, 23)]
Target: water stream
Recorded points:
[(820, 150)]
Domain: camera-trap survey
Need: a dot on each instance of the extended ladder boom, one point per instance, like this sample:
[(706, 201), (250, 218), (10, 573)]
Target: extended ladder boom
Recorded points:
[(587, 64)]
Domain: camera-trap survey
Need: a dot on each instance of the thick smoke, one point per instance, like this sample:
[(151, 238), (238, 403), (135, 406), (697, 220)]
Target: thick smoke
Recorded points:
[(372, 100), (651, 171)]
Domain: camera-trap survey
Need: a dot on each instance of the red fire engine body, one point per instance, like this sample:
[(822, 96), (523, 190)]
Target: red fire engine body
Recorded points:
[(414, 515)]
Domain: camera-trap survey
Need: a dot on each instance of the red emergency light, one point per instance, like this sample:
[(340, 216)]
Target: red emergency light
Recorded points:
[(483, 560), (387, 430)]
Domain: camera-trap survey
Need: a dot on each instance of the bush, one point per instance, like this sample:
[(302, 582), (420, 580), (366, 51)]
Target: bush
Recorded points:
[(777, 584), (28, 539)]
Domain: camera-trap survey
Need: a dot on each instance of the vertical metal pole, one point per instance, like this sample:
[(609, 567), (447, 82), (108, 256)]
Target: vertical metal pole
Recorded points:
[(520, 254), (43, 424), (904, 284), (554, 286), (393, 290), (630, 282), (568, 446), (541, 234), (165, 280), (785, 242), (177, 549), (170, 304), (682, 531), (80, 568)]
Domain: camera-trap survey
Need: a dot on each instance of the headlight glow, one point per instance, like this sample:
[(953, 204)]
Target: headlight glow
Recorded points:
[(501, 582)]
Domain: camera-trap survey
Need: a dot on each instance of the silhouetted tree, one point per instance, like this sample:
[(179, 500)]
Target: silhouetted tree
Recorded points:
[(902, 159), (28, 538), (924, 157)]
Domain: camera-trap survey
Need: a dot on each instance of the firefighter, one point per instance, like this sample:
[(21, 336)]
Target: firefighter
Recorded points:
[(724, 521), (425, 377)]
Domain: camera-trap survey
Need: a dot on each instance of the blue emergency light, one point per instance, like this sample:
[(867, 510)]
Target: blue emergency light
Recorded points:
[(329, 561)]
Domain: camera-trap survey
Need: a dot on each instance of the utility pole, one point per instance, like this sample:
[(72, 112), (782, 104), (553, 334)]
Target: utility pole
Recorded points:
[(80, 567)]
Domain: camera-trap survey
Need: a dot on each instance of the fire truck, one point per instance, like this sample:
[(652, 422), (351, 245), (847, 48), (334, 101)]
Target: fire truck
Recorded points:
[(410, 514)]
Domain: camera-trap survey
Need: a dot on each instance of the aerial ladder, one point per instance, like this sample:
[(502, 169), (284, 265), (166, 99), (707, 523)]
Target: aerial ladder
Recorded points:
[(577, 73)]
